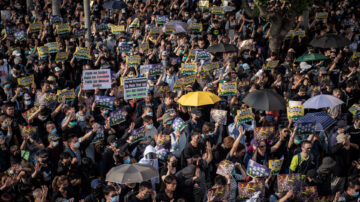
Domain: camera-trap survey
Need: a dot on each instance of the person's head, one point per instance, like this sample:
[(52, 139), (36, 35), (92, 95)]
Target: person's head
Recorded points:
[(50, 127), (145, 190), (341, 126), (105, 112), (74, 143), (302, 91), (195, 137), (110, 193), (169, 98), (228, 142), (167, 120), (349, 87), (353, 188), (201, 43), (148, 122), (170, 183), (65, 159), (45, 86), (285, 132), (306, 147), (220, 180), (10, 109), (113, 142), (196, 114), (171, 160), (97, 187), (337, 93), (208, 129), (262, 146), (42, 157)]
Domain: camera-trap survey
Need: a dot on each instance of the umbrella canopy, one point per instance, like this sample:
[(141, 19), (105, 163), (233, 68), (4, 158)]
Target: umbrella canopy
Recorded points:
[(265, 99), (330, 41), (198, 98), (311, 57), (222, 48), (323, 121), (179, 26), (131, 173), (114, 5), (322, 101)]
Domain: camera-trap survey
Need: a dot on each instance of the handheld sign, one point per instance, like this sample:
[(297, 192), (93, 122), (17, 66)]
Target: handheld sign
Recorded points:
[(125, 47), (245, 115), (161, 19), (178, 124), (272, 64), (218, 116), (20, 35), (305, 128), (135, 88), (287, 182), (321, 15), (36, 27), (69, 94), (217, 10), (204, 4), (117, 29), (100, 78), (169, 29), (196, 27), (225, 168), (133, 60), (104, 101), (295, 112), (275, 165), (227, 89), (25, 81), (255, 169), (61, 56), (63, 28), (248, 189), (188, 68), (264, 133), (43, 51), (300, 33), (82, 53), (56, 19), (355, 108), (53, 47)]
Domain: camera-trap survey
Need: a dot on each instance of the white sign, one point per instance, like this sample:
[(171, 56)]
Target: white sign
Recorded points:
[(100, 78), (135, 88)]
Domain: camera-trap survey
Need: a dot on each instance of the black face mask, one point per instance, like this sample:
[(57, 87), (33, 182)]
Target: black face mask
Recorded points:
[(173, 164), (98, 192), (67, 164)]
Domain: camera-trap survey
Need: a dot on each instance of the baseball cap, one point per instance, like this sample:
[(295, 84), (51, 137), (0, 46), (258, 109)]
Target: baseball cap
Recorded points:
[(167, 117), (95, 183), (165, 53)]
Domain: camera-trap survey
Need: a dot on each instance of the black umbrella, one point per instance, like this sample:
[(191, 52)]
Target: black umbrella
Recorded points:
[(114, 5), (222, 48), (266, 99), (330, 41)]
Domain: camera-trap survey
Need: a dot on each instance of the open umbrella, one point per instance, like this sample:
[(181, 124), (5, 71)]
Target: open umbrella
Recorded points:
[(114, 5), (311, 57), (265, 99), (198, 98), (179, 26), (330, 41), (322, 120), (322, 101), (222, 48), (131, 173)]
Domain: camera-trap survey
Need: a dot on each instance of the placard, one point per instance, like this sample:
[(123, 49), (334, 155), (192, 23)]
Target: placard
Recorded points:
[(218, 116), (169, 29), (35, 27), (192, 53), (138, 134), (290, 34), (225, 168), (219, 193), (79, 32), (43, 51), (69, 94), (25, 81), (99, 27), (61, 56), (264, 133), (245, 115), (300, 33), (53, 47), (56, 19), (179, 84), (26, 115), (125, 47), (287, 182), (243, 84), (155, 31), (155, 69), (195, 27), (133, 60), (275, 165), (99, 78), (161, 19), (82, 53), (305, 128), (272, 64), (5, 15), (203, 55), (217, 10), (255, 169), (321, 15), (355, 55), (117, 117), (248, 189), (49, 100), (29, 130), (204, 4), (178, 124), (189, 80), (161, 153), (117, 29), (230, 55), (308, 193), (162, 140), (135, 23), (11, 30), (144, 46), (325, 199), (63, 28), (208, 67), (20, 35), (106, 102), (355, 108), (188, 68), (135, 88), (295, 112), (227, 89)]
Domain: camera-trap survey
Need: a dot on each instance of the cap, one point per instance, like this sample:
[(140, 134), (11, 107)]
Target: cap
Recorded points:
[(16, 53), (341, 124), (340, 138), (95, 183), (167, 117), (196, 111), (51, 78), (111, 139), (53, 137), (57, 69), (17, 59), (291, 50)]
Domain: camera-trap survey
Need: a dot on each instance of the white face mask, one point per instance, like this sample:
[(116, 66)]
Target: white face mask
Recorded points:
[(56, 143)]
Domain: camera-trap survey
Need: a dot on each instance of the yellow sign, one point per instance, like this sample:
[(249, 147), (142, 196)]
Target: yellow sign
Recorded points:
[(63, 28), (82, 53), (53, 47), (36, 27), (133, 60), (117, 29), (188, 68), (204, 4), (321, 15), (217, 10), (61, 56), (295, 112), (43, 51), (26, 81), (271, 64), (227, 89)]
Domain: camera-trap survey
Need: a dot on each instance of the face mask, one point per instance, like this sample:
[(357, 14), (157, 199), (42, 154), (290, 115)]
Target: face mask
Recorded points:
[(56, 143), (211, 133), (27, 52), (47, 24), (150, 126), (54, 131), (127, 161), (184, 58), (116, 145), (77, 145), (43, 118), (149, 114), (147, 195), (164, 62), (357, 38), (21, 94), (173, 164), (5, 125), (72, 123), (17, 6), (131, 75), (297, 142), (114, 198), (7, 86), (106, 112), (169, 122), (356, 194), (246, 56), (28, 102)]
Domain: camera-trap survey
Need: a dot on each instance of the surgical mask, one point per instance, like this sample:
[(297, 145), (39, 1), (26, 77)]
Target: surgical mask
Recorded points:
[(356, 194), (184, 58), (43, 118), (127, 161), (246, 56), (47, 24), (116, 145), (27, 102), (169, 122), (72, 123), (54, 131), (17, 6), (211, 133), (7, 86), (357, 38), (56, 143), (297, 142), (150, 126), (114, 198), (77, 145), (110, 37), (106, 112), (149, 114), (5, 125), (164, 62), (21, 94)]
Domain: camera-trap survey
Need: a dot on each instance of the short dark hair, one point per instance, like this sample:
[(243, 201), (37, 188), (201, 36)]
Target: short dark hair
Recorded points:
[(65, 155), (168, 179), (145, 185), (147, 119), (305, 142), (352, 183), (220, 180), (108, 189)]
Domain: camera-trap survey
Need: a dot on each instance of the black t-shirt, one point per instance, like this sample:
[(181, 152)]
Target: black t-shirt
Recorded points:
[(162, 196), (133, 198)]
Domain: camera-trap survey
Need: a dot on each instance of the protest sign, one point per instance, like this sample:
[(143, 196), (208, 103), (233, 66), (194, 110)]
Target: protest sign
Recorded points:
[(99, 27), (155, 31), (219, 193), (133, 60), (308, 193), (178, 124), (321, 15), (255, 169), (324, 198), (355, 55), (35, 27), (227, 89), (204, 4), (272, 64), (43, 51), (162, 140), (63, 28), (295, 112), (138, 134), (225, 168), (248, 189), (355, 108), (11, 30), (69, 94), (5, 15), (287, 182), (135, 23), (300, 33), (245, 115), (305, 128), (117, 29), (104, 101), (125, 47), (290, 34), (135, 88), (161, 19), (195, 27), (243, 84), (275, 165), (179, 84), (49, 100), (82, 53), (155, 69), (99, 78), (189, 80), (217, 10), (79, 32), (218, 116), (25, 81), (20, 35), (53, 47), (56, 19), (61, 56), (316, 89), (117, 117), (192, 53), (144, 46), (264, 133), (208, 67), (169, 29), (230, 55), (28, 130), (203, 55), (29, 112), (161, 153), (188, 68)]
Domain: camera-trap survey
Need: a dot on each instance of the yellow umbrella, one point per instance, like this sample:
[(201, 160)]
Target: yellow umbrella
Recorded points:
[(198, 98)]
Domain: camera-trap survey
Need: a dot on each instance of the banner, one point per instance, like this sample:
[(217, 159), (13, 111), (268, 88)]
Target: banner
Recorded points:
[(204, 4), (225, 168), (99, 27), (217, 10), (79, 32), (161, 19), (56, 19), (208, 67), (227, 89), (196, 27), (117, 29), (99, 78), (248, 189), (155, 31), (188, 68), (82, 53), (203, 55), (264, 133), (69, 94), (178, 124), (135, 23), (104, 101), (295, 112), (300, 33), (355, 108), (305, 128), (245, 115), (53, 47), (308, 193), (152, 69), (275, 165), (321, 15), (26, 81), (287, 182), (63, 28), (117, 117), (135, 88), (43, 51), (144, 46), (272, 64), (255, 169), (35, 27), (218, 116), (169, 29), (125, 47), (162, 140), (138, 134), (61, 56), (20, 35), (133, 60)]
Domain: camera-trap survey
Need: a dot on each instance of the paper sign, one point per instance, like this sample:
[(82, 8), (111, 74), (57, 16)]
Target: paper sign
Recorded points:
[(275, 165), (69, 94), (135, 23), (61, 56), (56, 19), (162, 140), (218, 116), (324, 199), (227, 89), (135, 88), (28, 130), (196, 27), (192, 53), (355, 55), (117, 29), (43, 51), (204, 4), (117, 117), (35, 27), (243, 84), (155, 70), (321, 15), (203, 55), (179, 84), (225, 168), (29, 112), (133, 60), (20, 35), (161, 19), (154, 31), (11, 30), (255, 169), (53, 47), (79, 32), (308, 193), (82, 53), (264, 133), (305, 128), (99, 78), (219, 193), (287, 182), (217, 10), (208, 67), (49, 100), (161, 153), (295, 112), (25, 154), (125, 48), (169, 29), (144, 46), (245, 115), (104, 101), (355, 108), (230, 55), (5, 15), (63, 28), (247, 190), (189, 80), (138, 134), (100, 26), (272, 64), (290, 34), (300, 33), (188, 68), (26, 81), (178, 124)]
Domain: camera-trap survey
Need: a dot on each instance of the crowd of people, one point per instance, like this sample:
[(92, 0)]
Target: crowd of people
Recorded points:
[(62, 150)]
